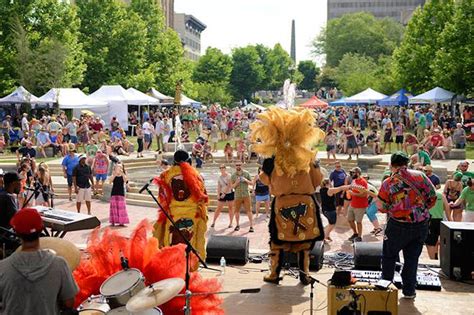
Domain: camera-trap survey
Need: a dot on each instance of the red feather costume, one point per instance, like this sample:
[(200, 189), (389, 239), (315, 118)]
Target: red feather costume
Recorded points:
[(155, 264)]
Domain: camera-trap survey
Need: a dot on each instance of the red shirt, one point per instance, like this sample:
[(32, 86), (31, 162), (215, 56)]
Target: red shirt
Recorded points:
[(437, 140), (96, 126), (356, 201)]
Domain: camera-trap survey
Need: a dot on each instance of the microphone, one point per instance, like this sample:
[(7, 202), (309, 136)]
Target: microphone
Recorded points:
[(145, 187)]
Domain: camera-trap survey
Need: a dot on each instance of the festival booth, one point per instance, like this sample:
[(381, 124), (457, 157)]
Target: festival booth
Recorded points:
[(186, 101), (434, 96), (314, 103), (19, 97), (73, 99), (368, 96), (163, 99), (339, 102), (400, 98), (118, 100), (141, 99)]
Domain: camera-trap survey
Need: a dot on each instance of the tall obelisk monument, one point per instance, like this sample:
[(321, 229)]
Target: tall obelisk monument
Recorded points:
[(293, 42)]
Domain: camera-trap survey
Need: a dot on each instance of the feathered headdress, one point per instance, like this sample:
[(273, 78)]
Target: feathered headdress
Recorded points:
[(287, 135)]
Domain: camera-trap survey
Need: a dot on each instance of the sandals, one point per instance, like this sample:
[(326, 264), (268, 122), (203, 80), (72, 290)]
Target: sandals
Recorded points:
[(251, 229), (212, 225), (230, 226), (237, 228)]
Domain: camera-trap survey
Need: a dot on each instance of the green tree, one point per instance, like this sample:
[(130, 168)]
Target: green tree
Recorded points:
[(309, 71), (327, 78), (98, 20), (247, 72), (453, 66), (263, 53), (210, 92), (422, 39), (280, 66), (356, 73), (359, 33), (48, 25), (213, 67)]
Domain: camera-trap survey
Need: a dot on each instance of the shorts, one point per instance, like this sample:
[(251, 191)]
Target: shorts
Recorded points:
[(245, 201), (147, 137), (433, 232), (330, 147), (399, 139), (331, 216), (355, 214), (351, 144), (74, 139), (84, 194), (340, 199), (227, 197), (102, 177), (69, 180), (262, 198), (372, 211)]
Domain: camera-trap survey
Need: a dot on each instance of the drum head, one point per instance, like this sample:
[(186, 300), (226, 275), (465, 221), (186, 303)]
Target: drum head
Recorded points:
[(120, 282), (94, 306), (123, 310)]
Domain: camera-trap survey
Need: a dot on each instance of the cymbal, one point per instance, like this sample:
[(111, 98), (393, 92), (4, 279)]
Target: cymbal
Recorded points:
[(155, 295), (62, 248)]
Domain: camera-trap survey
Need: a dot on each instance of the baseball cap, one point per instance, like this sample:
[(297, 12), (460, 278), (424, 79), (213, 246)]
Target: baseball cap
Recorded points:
[(356, 170), (27, 221), (399, 158), (82, 156), (10, 177)]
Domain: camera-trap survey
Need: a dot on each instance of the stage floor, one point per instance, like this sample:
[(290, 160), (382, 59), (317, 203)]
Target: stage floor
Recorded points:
[(290, 297)]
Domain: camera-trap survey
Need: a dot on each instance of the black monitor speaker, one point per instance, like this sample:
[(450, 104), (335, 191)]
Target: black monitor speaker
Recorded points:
[(235, 249), (457, 249), (368, 256), (316, 257)]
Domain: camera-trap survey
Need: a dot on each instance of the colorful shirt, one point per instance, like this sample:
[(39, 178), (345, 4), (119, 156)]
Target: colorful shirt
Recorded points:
[(242, 189), (407, 196), (101, 165)]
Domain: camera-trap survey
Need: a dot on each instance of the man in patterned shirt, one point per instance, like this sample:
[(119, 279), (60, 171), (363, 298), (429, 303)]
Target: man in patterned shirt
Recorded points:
[(407, 196)]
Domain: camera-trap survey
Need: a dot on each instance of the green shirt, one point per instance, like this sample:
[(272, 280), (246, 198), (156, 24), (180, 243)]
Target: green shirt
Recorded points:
[(438, 210), (242, 189), (465, 176), (422, 155), (91, 149), (467, 195), (422, 121)]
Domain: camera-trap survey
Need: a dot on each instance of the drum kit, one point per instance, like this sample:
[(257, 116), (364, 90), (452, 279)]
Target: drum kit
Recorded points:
[(125, 293)]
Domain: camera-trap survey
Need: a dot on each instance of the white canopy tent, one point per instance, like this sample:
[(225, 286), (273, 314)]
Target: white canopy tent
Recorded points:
[(368, 96), (436, 95), (160, 96), (70, 98), (20, 95), (140, 98), (186, 101), (117, 99)]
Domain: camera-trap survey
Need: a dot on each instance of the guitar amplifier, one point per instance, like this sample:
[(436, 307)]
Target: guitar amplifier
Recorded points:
[(362, 299), (456, 249)]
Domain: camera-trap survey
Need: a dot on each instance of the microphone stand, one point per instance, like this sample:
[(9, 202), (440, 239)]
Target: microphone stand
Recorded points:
[(312, 281), (189, 249)]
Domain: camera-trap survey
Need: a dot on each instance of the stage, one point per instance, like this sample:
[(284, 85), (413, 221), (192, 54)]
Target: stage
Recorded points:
[(292, 298)]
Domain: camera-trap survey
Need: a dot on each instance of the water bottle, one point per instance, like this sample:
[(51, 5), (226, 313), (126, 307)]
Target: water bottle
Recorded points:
[(222, 264)]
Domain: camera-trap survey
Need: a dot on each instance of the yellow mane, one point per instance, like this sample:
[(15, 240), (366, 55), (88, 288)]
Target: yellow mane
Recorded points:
[(287, 135)]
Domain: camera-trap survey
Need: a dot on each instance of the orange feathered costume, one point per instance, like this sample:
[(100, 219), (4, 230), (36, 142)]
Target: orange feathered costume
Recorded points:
[(156, 264)]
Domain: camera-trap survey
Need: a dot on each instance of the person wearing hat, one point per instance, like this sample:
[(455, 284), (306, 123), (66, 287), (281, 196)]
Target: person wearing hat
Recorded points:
[(54, 126), (428, 169), (463, 170), (83, 184), (8, 199), (34, 280), (100, 168), (358, 204), (68, 164), (406, 196)]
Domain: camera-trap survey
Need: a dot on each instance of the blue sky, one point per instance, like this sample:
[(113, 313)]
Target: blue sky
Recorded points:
[(235, 23)]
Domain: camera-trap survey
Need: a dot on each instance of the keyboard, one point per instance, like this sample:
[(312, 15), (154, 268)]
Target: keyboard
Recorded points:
[(425, 280), (61, 221)]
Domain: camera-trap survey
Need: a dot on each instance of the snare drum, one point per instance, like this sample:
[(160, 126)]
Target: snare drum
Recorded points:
[(120, 287), (95, 305), (123, 310)]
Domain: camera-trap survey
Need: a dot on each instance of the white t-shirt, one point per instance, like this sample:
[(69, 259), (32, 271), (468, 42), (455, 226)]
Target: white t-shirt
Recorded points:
[(147, 128), (24, 124)]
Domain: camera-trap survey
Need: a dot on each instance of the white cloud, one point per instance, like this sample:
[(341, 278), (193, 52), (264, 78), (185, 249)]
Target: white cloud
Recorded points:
[(236, 23)]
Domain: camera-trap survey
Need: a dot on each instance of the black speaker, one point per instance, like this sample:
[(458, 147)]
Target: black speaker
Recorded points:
[(457, 249), (368, 256), (316, 257), (235, 249)]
